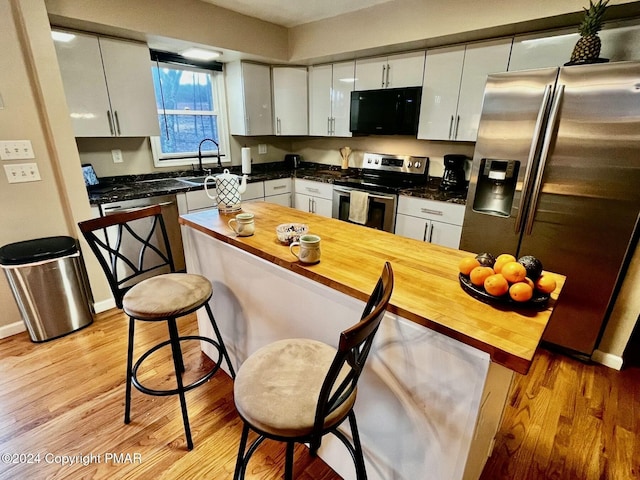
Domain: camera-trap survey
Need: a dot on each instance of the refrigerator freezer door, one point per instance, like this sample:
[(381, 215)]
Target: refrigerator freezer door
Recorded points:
[(512, 123), (589, 200)]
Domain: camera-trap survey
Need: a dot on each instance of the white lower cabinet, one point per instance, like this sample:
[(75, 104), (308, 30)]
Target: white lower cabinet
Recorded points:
[(253, 193), (313, 197), (278, 191), (430, 221)]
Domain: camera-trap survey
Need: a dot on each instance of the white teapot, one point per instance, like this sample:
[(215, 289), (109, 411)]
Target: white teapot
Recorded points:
[(228, 190)]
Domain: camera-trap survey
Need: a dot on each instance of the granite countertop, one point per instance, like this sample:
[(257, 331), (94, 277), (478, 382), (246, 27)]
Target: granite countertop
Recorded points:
[(130, 187)]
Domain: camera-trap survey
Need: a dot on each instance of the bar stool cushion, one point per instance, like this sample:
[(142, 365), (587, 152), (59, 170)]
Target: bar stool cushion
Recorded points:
[(168, 295), (276, 389)]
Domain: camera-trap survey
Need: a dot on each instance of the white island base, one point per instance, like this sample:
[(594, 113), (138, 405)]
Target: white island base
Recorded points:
[(428, 406)]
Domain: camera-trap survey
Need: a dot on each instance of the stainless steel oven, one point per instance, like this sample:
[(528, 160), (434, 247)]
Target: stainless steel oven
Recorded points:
[(382, 178), (381, 213)]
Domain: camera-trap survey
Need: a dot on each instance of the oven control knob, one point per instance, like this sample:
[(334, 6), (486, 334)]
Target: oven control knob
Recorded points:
[(368, 160), (377, 161), (409, 164), (418, 164)]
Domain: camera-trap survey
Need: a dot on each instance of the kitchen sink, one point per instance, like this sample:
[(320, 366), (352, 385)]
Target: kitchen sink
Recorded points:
[(193, 180)]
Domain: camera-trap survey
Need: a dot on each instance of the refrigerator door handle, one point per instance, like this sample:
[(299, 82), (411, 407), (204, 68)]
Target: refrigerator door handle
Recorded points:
[(535, 143), (548, 136)]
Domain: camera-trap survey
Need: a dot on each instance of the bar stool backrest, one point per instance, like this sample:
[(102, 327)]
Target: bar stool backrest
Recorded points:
[(353, 350), (130, 246)]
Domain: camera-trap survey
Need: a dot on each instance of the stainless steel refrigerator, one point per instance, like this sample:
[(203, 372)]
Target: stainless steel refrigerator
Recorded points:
[(556, 174)]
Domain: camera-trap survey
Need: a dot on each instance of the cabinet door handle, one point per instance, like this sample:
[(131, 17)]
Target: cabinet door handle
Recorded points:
[(278, 187), (314, 190), (333, 125), (432, 212), (424, 234), (450, 127), (309, 205), (455, 134), (278, 129), (115, 115), (388, 70), (384, 69), (328, 125), (110, 122), (431, 233), (248, 124)]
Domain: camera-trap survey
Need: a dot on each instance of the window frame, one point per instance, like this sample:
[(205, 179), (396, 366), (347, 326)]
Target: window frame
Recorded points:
[(163, 160)]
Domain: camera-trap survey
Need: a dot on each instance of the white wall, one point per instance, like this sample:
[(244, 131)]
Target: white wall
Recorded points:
[(35, 109)]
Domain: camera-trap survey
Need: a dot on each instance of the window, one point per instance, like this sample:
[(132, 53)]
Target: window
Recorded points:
[(191, 108)]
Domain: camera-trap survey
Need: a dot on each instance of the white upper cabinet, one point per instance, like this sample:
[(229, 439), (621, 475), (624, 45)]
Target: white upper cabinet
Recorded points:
[(439, 104), (453, 88), (290, 100), (619, 43), (249, 98), (394, 71), (480, 59), (108, 87), (330, 88), (533, 51)]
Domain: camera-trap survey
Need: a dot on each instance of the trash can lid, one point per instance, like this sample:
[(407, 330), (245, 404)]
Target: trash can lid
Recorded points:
[(37, 250)]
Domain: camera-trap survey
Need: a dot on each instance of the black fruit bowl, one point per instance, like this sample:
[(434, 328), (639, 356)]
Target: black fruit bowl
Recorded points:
[(539, 300)]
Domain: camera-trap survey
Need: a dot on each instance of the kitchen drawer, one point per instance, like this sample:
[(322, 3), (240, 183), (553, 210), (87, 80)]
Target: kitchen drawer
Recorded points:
[(254, 191), (452, 213), (315, 189), (277, 187), (197, 200)]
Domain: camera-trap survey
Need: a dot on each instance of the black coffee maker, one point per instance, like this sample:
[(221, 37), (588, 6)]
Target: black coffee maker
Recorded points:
[(453, 179)]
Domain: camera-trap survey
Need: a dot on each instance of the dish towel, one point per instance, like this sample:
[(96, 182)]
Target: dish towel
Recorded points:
[(358, 207)]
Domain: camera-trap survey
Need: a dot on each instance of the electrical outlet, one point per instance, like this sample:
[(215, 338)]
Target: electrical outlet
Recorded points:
[(262, 148), (22, 172), (16, 150), (116, 155)]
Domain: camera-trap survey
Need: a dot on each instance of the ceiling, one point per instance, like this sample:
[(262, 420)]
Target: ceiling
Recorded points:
[(290, 13)]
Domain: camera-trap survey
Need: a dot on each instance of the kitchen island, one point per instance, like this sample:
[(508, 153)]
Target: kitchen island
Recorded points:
[(430, 399)]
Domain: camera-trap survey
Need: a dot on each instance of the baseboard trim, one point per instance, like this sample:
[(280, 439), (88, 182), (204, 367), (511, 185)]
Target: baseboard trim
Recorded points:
[(104, 305), (12, 329), (607, 359)]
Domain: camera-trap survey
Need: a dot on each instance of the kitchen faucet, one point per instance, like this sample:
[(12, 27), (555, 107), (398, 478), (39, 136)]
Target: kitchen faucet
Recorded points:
[(200, 152)]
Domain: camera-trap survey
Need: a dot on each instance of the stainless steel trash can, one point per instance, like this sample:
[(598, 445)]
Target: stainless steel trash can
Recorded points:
[(49, 282)]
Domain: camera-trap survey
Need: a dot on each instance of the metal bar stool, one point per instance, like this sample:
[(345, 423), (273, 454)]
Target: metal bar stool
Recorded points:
[(299, 390), (133, 250)]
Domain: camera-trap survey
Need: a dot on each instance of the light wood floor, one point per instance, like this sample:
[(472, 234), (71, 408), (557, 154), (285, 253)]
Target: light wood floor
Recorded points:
[(64, 400)]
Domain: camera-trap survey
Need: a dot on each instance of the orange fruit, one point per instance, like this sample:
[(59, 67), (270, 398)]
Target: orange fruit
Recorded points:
[(514, 272), (467, 264), (521, 292), (496, 285), (506, 257), (479, 274), (529, 282), (545, 284), (499, 264)]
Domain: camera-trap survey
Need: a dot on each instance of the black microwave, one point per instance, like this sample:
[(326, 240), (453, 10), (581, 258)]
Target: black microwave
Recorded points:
[(391, 111)]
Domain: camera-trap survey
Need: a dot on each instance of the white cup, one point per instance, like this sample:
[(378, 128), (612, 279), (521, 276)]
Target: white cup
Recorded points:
[(309, 249), (243, 224)]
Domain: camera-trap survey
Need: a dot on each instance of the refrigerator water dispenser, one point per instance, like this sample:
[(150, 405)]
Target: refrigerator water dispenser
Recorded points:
[(496, 185)]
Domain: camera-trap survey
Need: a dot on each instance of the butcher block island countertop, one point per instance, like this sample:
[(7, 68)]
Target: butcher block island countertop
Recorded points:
[(427, 289)]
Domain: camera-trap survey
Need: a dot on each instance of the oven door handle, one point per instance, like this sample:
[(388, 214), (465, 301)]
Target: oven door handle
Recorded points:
[(372, 195)]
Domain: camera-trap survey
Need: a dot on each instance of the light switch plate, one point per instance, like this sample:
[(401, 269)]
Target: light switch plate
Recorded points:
[(16, 150), (262, 148), (116, 155), (22, 172)]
